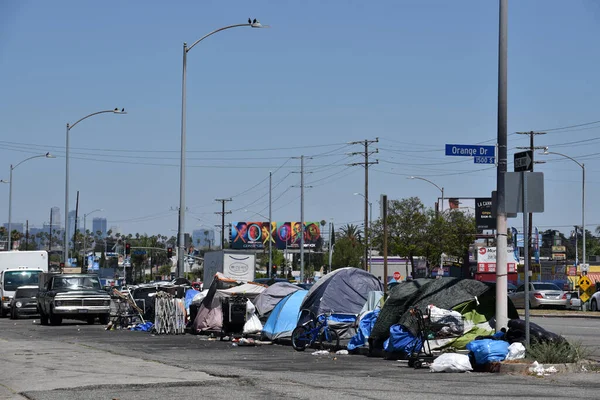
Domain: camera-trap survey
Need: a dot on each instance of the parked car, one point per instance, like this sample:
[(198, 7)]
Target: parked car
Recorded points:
[(24, 302), (595, 302), (541, 294)]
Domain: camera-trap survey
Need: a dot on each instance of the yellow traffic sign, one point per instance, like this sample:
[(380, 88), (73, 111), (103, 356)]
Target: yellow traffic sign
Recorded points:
[(584, 297), (584, 283)]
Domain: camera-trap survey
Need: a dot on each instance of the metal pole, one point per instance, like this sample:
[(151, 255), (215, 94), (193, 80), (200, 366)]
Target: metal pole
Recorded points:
[(525, 254), (66, 244), (576, 248), (270, 224), (366, 206), (124, 270), (83, 262), (181, 226), (442, 214), (370, 242), (301, 218), (582, 211), (10, 209), (330, 244), (384, 205), (501, 245)]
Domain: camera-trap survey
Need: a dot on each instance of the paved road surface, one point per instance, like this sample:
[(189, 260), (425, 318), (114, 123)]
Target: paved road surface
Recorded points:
[(75, 361)]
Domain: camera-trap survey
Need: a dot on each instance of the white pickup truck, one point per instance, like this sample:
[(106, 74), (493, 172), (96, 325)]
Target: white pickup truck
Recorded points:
[(19, 268)]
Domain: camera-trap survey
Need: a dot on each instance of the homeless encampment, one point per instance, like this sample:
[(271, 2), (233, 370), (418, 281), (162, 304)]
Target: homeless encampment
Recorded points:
[(267, 300), (474, 300), (284, 317), (343, 293), (210, 314)]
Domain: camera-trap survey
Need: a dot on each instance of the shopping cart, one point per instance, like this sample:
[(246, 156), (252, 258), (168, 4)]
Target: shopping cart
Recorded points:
[(234, 315), (428, 328)]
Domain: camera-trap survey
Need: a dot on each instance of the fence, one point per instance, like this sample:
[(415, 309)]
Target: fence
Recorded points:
[(169, 315)]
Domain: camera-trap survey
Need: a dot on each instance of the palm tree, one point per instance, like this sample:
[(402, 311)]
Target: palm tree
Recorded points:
[(351, 232)]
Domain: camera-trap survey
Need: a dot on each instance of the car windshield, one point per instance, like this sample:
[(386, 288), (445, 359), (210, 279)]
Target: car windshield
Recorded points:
[(76, 282), (25, 293), (545, 286), (14, 279)]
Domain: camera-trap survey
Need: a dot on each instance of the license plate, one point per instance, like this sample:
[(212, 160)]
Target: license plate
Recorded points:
[(83, 311)]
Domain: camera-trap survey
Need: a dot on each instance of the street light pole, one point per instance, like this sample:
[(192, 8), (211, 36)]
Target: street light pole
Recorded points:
[(182, 169), (10, 183), (270, 224), (582, 165), (69, 127)]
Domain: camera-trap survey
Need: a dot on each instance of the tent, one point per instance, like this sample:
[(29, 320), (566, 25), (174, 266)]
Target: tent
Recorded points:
[(446, 293), (210, 314), (284, 317), (343, 291), (268, 299)]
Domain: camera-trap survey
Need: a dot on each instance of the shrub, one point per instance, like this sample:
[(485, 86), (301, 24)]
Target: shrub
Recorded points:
[(556, 352)]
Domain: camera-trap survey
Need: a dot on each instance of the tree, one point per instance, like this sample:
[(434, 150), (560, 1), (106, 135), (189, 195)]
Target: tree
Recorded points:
[(348, 253)]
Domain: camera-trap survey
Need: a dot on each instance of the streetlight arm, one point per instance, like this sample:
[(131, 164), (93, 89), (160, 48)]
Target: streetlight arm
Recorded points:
[(115, 111), (47, 155), (427, 180), (218, 30), (563, 155)]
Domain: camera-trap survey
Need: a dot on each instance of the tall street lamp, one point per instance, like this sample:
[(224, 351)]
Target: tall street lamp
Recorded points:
[(85, 229), (10, 182), (367, 239), (181, 228), (582, 165), (69, 127), (441, 210)]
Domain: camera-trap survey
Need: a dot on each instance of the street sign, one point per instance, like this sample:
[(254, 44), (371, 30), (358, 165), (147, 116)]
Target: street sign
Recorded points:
[(139, 252), (584, 267), (470, 150), (524, 161), (397, 275), (484, 160), (513, 192), (584, 283), (585, 295)]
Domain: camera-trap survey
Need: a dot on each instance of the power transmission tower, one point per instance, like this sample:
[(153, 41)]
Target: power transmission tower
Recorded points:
[(366, 153), (223, 212), (533, 148)]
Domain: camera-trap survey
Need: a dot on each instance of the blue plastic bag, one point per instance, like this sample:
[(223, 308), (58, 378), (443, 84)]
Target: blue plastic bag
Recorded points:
[(488, 350), (402, 340)]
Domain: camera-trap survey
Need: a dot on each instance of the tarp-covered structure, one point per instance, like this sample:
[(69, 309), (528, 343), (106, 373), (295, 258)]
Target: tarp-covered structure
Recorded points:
[(475, 300), (271, 296), (284, 317), (210, 314)]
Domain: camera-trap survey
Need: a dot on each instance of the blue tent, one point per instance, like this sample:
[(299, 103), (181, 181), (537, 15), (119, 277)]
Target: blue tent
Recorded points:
[(284, 317)]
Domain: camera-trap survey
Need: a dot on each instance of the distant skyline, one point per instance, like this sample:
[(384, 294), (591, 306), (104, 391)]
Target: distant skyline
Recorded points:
[(415, 74)]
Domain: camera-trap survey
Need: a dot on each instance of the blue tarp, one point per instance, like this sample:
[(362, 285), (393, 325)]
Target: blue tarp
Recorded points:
[(284, 316), (402, 340), (145, 327), (189, 296), (488, 350), (364, 330)]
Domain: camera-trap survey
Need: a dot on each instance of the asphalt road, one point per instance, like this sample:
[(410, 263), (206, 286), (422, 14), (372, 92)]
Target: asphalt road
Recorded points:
[(77, 361)]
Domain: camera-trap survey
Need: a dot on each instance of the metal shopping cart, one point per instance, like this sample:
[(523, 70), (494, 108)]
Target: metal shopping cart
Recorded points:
[(234, 315), (429, 327)]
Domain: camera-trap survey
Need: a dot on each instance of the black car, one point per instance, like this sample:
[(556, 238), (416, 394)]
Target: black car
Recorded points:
[(24, 302)]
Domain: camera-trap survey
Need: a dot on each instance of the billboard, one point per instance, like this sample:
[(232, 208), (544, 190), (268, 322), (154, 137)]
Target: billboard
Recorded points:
[(284, 235), (464, 204), (484, 218), (486, 260)]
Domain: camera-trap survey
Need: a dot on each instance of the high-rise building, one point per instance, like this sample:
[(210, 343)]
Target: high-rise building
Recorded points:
[(56, 218), (203, 237), (99, 225)]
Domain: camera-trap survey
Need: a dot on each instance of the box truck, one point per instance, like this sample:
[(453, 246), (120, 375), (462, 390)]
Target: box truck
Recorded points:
[(238, 265), (19, 268)]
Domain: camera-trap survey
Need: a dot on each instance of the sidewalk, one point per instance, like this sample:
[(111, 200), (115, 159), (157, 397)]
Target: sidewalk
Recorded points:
[(560, 314)]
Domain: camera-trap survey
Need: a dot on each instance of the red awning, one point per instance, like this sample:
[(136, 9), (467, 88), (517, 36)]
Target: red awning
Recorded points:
[(594, 276)]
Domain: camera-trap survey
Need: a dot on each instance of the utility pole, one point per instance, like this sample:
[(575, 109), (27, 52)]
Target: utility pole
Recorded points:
[(501, 256), (366, 164), (384, 208), (302, 186), (222, 213), (270, 225), (533, 149), (27, 235), (50, 237), (75, 229)]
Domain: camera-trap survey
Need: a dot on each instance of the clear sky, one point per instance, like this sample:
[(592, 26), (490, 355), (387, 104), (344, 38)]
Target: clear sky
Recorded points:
[(416, 74)]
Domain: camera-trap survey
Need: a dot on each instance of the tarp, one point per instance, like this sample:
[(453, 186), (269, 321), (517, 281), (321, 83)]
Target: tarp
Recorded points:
[(190, 294), (284, 316), (271, 296), (364, 330), (443, 292), (374, 301), (343, 291)]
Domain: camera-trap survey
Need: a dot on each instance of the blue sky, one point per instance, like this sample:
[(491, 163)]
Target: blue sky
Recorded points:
[(416, 74)]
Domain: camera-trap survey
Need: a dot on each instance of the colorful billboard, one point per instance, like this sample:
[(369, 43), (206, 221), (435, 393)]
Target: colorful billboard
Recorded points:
[(284, 235)]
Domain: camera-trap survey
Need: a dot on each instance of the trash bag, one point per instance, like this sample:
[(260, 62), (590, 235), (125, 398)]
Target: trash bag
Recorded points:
[(401, 340), (488, 350), (451, 362), (516, 351), (516, 333)]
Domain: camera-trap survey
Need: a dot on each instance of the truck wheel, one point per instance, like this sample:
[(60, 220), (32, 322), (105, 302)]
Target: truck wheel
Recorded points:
[(13, 313), (104, 319), (55, 319)]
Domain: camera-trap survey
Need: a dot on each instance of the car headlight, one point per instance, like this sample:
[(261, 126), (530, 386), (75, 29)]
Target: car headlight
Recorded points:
[(57, 303), (18, 304)]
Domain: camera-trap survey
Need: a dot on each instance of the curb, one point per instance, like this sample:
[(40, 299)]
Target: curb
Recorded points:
[(584, 316), (520, 368)]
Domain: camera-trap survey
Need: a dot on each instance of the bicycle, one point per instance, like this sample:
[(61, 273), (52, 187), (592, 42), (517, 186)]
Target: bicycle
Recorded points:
[(313, 330)]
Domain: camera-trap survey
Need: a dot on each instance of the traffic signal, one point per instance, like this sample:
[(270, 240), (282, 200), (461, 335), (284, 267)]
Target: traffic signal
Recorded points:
[(169, 252), (274, 270), (127, 249)]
